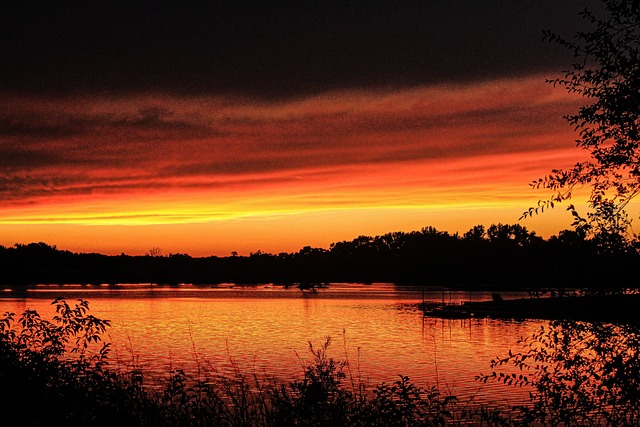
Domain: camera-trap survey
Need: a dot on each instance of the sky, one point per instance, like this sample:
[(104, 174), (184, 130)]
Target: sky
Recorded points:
[(234, 126)]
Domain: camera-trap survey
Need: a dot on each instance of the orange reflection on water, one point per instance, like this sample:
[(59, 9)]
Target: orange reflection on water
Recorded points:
[(266, 330)]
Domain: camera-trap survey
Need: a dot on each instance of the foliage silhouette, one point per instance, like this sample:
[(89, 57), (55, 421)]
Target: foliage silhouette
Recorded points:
[(49, 376), (588, 373), (582, 374), (500, 256), (605, 73)]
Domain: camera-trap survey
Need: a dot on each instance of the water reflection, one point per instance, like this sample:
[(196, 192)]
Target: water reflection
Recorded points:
[(379, 328)]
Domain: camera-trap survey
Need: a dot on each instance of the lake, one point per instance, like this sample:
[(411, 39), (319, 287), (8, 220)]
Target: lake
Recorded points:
[(265, 329)]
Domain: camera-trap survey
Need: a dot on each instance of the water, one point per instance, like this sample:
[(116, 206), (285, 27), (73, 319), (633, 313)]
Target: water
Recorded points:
[(266, 329)]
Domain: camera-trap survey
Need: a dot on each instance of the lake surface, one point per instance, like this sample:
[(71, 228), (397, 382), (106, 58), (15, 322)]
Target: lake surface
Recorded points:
[(265, 329)]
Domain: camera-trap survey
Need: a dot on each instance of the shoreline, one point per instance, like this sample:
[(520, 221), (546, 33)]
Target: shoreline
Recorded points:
[(597, 308)]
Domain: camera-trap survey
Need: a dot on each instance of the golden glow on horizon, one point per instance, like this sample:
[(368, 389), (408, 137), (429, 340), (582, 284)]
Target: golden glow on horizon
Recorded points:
[(371, 162), (463, 183), (273, 233)]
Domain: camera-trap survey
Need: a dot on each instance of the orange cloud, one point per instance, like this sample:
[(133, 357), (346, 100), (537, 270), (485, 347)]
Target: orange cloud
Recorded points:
[(160, 161)]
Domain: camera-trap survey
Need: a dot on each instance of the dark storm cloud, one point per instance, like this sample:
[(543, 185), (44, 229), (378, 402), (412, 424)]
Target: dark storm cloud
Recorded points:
[(273, 48)]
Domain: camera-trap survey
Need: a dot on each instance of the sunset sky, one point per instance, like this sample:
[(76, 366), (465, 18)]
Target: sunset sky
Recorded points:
[(231, 126)]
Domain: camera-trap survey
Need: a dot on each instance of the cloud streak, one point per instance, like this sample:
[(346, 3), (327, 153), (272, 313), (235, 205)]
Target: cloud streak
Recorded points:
[(353, 148), (222, 115)]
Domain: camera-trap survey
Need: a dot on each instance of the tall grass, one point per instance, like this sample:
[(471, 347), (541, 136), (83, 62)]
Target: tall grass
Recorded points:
[(58, 372)]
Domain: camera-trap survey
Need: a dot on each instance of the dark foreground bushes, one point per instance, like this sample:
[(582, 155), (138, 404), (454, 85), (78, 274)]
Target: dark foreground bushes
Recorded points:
[(57, 373)]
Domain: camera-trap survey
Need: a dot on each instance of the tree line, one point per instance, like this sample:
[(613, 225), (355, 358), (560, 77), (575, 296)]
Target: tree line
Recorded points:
[(500, 256)]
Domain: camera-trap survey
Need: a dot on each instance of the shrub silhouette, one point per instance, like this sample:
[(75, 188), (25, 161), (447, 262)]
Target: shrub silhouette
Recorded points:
[(582, 374), (57, 372)]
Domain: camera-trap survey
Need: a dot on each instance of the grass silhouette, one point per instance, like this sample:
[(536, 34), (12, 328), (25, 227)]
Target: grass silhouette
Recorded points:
[(59, 373)]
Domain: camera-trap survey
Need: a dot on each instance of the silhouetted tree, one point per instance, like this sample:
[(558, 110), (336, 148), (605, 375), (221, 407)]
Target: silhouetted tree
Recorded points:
[(476, 234), (155, 252), (606, 72), (504, 254), (515, 234), (587, 373)]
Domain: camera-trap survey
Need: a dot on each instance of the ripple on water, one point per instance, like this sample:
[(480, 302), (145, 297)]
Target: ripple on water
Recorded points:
[(379, 328)]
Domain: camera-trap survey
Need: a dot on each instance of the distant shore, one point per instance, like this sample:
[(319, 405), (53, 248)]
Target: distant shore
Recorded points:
[(597, 308), (496, 258)]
